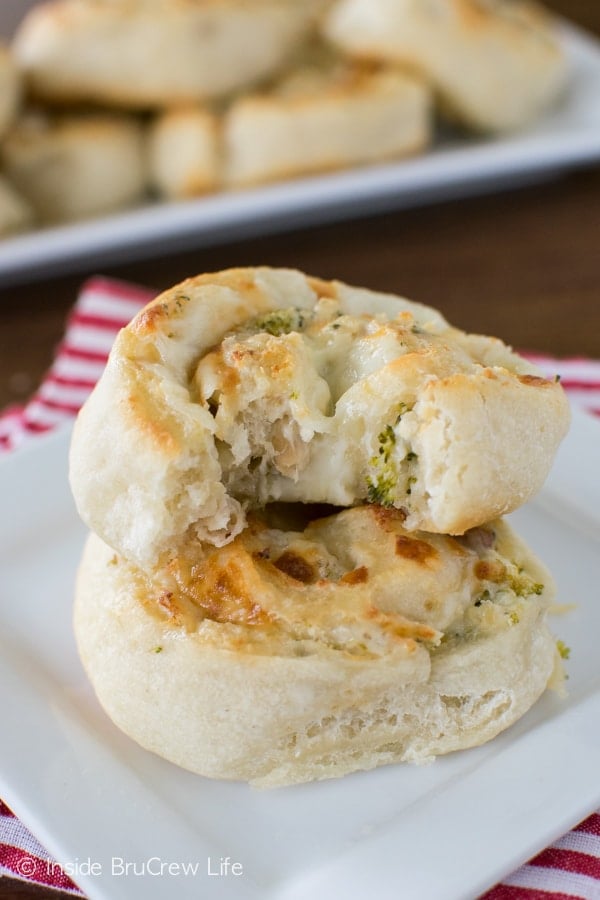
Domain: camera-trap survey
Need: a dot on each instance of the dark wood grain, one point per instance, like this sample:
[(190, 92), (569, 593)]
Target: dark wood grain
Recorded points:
[(524, 265)]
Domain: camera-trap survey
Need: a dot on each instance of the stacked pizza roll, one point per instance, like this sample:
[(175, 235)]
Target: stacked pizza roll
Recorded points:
[(299, 566), (177, 98)]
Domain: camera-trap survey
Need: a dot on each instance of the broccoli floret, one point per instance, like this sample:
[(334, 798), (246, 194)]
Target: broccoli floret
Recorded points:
[(382, 483), (524, 586), (380, 490), (386, 439), (280, 321)]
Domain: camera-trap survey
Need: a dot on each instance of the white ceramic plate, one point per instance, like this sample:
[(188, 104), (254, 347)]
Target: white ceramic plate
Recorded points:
[(567, 137), (442, 832)]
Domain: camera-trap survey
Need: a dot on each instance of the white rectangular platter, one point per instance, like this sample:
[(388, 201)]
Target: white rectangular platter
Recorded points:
[(567, 137), (444, 831)]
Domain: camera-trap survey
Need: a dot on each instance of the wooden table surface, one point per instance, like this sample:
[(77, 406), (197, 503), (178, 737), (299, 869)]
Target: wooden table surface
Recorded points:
[(524, 265)]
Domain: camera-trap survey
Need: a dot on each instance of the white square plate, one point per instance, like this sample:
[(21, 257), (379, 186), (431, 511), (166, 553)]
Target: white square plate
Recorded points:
[(443, 832), (568, 136)]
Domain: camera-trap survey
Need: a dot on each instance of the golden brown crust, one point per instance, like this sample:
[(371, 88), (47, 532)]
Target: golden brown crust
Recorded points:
[(412, 548)]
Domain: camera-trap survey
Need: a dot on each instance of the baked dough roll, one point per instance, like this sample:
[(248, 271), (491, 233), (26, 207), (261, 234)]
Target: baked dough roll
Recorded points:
[(15, 212), (325, 117), (76, 166), (496, 65), (140, 54), (247, 386), (184, 153), (10, 89), (293, 655)]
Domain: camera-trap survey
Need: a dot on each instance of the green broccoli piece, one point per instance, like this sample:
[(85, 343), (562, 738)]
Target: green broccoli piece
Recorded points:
[(280, 321)]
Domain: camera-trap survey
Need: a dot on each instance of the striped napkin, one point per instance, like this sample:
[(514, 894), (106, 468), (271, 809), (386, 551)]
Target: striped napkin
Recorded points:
[(102, 309), (568, 869)]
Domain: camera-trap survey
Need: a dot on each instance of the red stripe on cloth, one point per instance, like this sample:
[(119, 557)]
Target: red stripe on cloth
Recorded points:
[(510, 892), (97, 321), (568, 861), (15, 409), (66, 381), (535, 356), (77, 353), (590, 825), (70, 408), (43, 871), (120, 290), (573, 385), (37, 427), (5, 811)]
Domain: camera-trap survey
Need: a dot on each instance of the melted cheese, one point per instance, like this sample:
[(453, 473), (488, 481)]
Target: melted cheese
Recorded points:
[(354, 583), (301, 398)]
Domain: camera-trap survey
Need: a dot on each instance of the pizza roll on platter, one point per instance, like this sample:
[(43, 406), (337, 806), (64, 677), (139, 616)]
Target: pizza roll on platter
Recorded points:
[(141, 54), (495, 65)]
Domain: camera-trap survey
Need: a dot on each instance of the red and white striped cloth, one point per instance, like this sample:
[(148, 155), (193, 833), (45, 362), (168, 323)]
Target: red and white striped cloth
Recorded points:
[(103, 307), (568, 869)]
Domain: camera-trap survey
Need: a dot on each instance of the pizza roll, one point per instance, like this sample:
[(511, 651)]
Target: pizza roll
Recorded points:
[(496, 65), (326, 115), (236, 389), (141, 54), (71, 167), (308, 650)]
